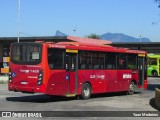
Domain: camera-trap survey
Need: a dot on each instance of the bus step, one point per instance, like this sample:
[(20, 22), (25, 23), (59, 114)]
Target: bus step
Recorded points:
[(70, 95)]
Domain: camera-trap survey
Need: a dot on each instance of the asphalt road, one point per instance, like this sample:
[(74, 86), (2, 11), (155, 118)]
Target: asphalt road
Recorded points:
[(141, 101)]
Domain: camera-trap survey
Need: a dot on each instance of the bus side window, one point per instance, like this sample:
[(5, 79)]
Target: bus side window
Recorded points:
[(121, 61), (84, 60), (153, 61), (82, 66), (110, 61), (50, 61), (132, 62), (56, 58)]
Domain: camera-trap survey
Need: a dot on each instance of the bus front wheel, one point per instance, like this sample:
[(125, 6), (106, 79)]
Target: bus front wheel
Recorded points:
[(86, 91), (131, 88)]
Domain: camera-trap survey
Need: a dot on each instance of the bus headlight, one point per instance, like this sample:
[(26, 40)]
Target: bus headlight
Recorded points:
[(40, 77)]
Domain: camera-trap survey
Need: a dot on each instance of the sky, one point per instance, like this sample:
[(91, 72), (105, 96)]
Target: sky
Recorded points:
[(45, 17)]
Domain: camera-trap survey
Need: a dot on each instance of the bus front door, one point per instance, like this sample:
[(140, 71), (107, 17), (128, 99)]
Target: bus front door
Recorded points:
[(142, 71), (72, 73)]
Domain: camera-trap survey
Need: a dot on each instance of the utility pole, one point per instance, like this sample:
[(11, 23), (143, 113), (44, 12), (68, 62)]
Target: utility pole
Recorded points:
[(19, 19), (140, 39)]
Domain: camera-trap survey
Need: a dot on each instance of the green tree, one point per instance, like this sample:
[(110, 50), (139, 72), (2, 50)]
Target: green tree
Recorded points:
[(93, 35)]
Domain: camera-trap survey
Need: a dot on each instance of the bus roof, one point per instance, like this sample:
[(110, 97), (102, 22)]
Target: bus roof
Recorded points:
[(92, 47), (154, 55), (89, 40)]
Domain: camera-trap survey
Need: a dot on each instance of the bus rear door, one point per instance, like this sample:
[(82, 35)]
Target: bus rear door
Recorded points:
[(142, 66), (72, 71)]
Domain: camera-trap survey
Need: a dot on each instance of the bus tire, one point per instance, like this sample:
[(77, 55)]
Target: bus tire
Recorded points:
[(154, 73), (86, 91), (131, 88)]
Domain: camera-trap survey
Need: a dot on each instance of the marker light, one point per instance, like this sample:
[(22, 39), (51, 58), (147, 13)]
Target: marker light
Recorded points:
[(40, 77)]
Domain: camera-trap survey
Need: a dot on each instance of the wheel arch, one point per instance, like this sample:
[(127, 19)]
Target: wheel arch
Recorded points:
[(89, 84), (135, 82), (154, 71)]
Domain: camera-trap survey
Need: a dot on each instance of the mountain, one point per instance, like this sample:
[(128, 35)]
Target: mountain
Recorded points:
[(59, 33), (119, 37), (114, 37)]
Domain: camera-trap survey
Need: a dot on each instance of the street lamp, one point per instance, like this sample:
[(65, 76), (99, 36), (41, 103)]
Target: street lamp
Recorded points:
[(18, 19)]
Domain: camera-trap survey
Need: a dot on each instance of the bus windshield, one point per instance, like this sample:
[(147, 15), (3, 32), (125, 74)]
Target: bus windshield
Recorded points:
[(26, 53)]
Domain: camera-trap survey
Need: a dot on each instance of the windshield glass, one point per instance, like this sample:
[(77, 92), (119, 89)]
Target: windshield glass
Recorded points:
[(26, 53)]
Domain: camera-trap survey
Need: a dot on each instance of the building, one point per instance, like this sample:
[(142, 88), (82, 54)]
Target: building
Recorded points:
[(150, 47)]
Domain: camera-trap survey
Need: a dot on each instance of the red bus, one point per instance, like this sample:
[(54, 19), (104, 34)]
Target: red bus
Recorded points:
[(75, 69)]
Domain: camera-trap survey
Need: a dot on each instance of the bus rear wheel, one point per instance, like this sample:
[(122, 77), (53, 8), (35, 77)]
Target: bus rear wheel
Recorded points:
[(86, 91), (131, 88)]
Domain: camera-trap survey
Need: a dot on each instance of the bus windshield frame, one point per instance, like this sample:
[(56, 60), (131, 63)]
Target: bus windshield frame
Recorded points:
[(27, 54)]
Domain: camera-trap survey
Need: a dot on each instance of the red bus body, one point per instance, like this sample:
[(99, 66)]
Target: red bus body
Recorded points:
[(24, 77)]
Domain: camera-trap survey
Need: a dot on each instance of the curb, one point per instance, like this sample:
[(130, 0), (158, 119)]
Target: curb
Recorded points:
[(157, 97)]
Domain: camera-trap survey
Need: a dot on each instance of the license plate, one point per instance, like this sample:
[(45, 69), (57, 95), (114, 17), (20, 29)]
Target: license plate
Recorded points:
[(24, 83)]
